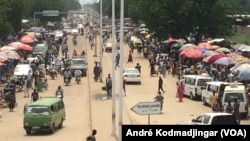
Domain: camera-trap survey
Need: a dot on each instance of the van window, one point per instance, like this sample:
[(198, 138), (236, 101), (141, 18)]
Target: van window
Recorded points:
[(38, 110), (224, 120), (212, 88), (202, 82), (231, 96), (206, 119), (192, 81)]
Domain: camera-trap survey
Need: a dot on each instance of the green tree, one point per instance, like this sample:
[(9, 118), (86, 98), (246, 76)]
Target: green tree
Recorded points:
[(6, 27)]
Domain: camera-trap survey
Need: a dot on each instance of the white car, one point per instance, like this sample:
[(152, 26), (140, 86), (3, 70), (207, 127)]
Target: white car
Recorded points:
[(214, 119), (22, 69), (132, 75), (74, 32)]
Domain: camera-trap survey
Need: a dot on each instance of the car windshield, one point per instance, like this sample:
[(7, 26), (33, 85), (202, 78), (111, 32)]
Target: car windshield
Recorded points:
[(132, 71), (20, 69), (44, 110), (202, 82), (77, 62), (231, 97)]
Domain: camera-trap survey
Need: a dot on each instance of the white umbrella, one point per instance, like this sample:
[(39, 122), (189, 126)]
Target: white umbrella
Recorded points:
[(223, 49), (188, 46), (244, 48)]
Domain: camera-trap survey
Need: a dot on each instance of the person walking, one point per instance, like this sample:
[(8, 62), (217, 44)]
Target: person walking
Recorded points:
[(138, 66), (96, 72), (92, 136), (26, 88), (229, 108), (124, 86), (34, 96), (109, 85), (213, 99), (117, 60), (181, 90), (236, 106), (160, 84), (130, 58), (12, 100), (160, 99)]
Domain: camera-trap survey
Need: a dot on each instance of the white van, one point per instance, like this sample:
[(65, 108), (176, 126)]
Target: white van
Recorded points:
[(22, 69), (217, 86), (239, 91), (194, 84)]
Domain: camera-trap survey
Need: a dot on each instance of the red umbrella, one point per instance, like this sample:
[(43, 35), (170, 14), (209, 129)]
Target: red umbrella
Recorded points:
[(24, 47), (15, 44), (216, 57), (186, 50), (204, 45), (27, 39), (193, 54)]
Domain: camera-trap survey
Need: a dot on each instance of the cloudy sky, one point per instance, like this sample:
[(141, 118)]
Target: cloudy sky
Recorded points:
[(88, 1)]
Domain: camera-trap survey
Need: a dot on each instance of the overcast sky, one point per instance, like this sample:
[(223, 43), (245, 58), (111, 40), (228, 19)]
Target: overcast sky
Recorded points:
[(88, 1)]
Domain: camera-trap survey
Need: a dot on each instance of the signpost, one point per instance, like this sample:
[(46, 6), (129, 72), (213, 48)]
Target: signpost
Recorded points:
[(147, 108)]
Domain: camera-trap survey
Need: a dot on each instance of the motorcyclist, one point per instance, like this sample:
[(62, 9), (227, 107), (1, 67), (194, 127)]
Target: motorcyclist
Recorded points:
[(67, 75), (59, 92), (78, 73), (53, 69), (83, 53)]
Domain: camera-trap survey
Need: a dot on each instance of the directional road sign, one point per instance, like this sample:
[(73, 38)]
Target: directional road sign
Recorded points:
[(147, 108)]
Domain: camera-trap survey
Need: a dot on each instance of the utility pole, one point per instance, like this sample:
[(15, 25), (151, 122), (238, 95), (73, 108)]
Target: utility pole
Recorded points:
[(101, 42)]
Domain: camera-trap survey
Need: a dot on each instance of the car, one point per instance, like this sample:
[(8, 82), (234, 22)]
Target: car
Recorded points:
[(74, 32), (67, 29), (40, 49), (78, 62), (132, 75), (214, 119), (108, 47), (22, 69)]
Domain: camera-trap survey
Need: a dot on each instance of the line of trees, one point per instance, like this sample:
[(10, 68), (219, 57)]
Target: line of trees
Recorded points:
[(177, 18), (13, 11)]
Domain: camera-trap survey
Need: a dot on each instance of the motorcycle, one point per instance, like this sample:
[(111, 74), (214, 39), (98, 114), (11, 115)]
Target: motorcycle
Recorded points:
[(74, 41), (67, 81), (78, 79), (53, 73), (59, 94)]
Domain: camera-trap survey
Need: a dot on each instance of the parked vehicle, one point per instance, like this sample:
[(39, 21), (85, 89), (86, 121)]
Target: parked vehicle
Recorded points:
[(132, 75), (218, 87), (194, 84), (236, 91), (22, 69), (46, 114), (214, 119)]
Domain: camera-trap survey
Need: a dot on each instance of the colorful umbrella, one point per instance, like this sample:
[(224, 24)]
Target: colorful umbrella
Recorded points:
[(214, 47), (25, 47), (202, 49), (7, 48), (204, 45), (27, 39), (244, 75), (240, 67), (223, 50), (208, 53), (186, 50), (193, 54), (225, 61), (188, 46), (3, 57), (15, 44), (13, 55), (240, 59), (216, 57)]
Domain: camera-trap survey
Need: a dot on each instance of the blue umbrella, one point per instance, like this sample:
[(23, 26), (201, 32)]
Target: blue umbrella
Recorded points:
[(202, 49), (244, 75), (225, 61)]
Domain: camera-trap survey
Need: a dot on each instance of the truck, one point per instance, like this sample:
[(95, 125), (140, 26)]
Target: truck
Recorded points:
[(78, 62)]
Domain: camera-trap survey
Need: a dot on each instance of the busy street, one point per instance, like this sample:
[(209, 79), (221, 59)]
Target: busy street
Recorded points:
[(100, 84)]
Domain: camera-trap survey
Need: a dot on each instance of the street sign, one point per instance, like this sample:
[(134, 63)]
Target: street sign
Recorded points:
[(147, 108), (51, 13)]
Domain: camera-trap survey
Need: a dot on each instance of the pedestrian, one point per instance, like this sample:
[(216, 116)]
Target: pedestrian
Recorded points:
[(213, 99), (138, 66), (160, 84), (92, 136), (124, 86), (160, 99), (109, 85), (26, 88), (181, 90), (236, 106), (130, 58), (12, 100), (39, 84), (229, 107), (96, 72), (34, 96), (117, 60)]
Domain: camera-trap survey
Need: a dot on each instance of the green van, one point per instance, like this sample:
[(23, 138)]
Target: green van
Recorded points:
[(46, 114)]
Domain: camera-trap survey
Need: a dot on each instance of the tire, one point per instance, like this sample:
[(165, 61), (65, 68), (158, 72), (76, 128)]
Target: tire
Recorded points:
[(52, 130), (204, 101), (28, 131), (61, 124)]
